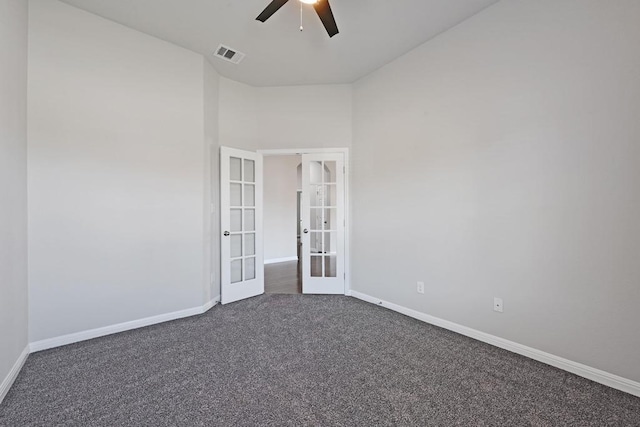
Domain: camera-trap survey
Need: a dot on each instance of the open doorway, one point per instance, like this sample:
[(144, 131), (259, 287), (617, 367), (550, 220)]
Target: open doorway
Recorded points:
[(315, 257), (304, 194), (282, 198)]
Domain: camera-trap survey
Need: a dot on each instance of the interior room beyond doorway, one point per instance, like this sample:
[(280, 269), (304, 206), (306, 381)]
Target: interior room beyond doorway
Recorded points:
[(282, 186)]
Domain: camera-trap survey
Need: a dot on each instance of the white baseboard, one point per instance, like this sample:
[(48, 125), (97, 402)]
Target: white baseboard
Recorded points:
[(120, 327), (597, 375), (209, 305), (13, 373), (277, 260)]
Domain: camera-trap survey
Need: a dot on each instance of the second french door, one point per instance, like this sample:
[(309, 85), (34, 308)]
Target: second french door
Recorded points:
[(323, 224)]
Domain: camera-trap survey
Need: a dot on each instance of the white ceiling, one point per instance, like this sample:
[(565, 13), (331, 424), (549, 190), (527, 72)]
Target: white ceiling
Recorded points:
[(372, 33)]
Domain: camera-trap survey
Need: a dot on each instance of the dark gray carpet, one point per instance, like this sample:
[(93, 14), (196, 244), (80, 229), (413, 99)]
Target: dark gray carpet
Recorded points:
[(302, 360)]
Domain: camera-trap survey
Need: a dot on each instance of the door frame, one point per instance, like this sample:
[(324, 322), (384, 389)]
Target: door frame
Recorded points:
[(347, 206)]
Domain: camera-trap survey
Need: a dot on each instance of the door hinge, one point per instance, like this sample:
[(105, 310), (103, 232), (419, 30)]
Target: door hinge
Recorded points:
[(344, 169)]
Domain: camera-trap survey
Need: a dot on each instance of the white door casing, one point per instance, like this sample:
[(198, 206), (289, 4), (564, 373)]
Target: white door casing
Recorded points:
[(323, 223), (241, 240)]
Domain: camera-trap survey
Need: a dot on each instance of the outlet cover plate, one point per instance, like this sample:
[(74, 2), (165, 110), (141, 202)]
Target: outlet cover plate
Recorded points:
[(497, 304)]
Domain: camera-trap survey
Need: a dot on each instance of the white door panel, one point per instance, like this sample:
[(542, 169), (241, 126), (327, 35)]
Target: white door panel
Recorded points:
[(323, 224), (241, 247)]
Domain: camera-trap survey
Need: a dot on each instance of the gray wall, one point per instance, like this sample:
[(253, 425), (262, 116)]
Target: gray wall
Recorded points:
[(254, 118), (503, 159), (13, 183), (211, 274), (116, 173)]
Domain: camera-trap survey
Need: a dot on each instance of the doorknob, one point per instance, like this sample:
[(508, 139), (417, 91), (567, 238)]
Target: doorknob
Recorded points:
[(226, 233), (305, 231)]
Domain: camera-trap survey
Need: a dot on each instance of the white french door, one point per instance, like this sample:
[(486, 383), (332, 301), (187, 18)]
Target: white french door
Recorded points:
[(241, 248), (323, 224)]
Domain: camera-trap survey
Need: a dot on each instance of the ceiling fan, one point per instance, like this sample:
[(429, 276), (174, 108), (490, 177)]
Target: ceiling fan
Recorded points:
[(322, 7)]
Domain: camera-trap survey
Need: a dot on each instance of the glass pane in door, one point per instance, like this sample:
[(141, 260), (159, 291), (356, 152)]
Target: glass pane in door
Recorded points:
[(315, 243), (329, 195), (330, 221), (315, 219), (329, 243), (249, 171), (250, 244), (249, 219), (236, 271), (330, 266), (315, 172), (316, 266), (249, 195), (236, 245), (235, 168), (316, 195), (249, 268), (235, 194), (236, 220), (330, 172)]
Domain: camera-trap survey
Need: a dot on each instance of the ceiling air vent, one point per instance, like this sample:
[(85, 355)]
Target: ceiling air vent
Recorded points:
[(228, 54)]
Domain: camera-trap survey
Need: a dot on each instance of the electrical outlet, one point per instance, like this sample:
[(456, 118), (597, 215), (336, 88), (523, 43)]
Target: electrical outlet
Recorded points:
[(420, 287), (497, 304)]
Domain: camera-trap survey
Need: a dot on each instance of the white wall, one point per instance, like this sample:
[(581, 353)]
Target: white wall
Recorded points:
[(211, 273), (304, 116), (237, 114), (502, 159), (13, 185), (254, 118), (280, 206), (116, 173)]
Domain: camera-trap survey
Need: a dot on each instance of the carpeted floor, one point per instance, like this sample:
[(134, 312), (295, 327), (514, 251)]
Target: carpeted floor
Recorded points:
[(302, 360)]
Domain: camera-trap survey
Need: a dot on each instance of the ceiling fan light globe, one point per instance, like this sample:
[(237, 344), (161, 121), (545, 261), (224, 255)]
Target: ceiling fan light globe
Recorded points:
[(309, 1)]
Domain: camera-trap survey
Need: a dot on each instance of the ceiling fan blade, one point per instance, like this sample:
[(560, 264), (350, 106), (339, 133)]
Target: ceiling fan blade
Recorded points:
[(271, 9), (323, 9)]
